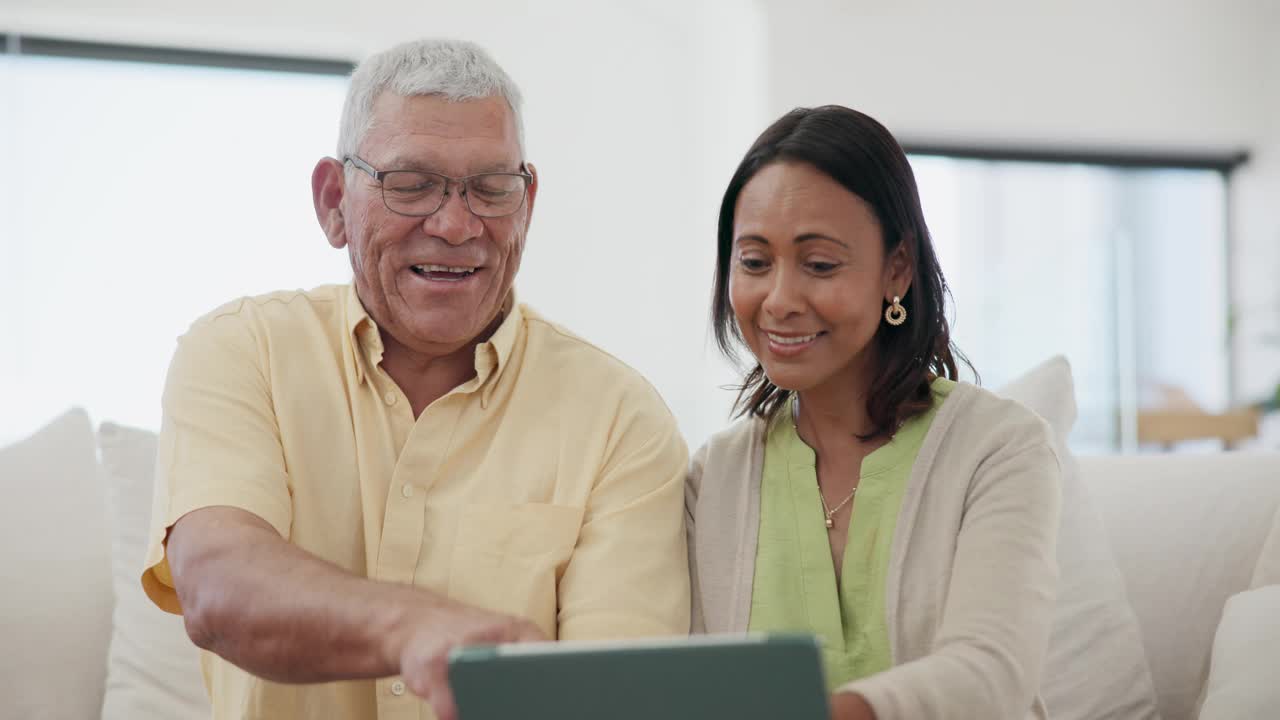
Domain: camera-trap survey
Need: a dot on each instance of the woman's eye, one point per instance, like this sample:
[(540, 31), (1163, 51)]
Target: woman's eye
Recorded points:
[(753, 264), (822, 267)]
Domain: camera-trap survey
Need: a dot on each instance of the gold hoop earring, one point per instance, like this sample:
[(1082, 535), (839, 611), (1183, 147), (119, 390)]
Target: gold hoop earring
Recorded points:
[(895, 314)]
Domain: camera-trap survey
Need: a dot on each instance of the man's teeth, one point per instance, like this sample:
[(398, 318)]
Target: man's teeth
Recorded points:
[(443, 268), (781, 340)]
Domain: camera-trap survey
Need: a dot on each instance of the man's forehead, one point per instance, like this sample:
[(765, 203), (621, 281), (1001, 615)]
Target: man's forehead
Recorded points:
[(487, 117), (427, 132)]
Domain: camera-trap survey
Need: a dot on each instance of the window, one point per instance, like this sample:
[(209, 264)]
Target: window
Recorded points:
[(1123, 270), (136, 197)]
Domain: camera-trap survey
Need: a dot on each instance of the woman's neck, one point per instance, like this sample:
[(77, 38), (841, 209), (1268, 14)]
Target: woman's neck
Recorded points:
[(835, 412)]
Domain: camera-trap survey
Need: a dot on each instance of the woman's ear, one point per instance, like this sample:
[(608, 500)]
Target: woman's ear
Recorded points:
[(899, 270), (327, 190)]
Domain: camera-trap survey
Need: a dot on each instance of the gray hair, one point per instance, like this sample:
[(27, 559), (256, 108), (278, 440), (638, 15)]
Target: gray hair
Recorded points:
[(454, 69)]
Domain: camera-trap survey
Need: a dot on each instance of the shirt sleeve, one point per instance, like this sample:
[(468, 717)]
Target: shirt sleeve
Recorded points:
[(989, 647), (692, 487), (219, 440), (629, 574)]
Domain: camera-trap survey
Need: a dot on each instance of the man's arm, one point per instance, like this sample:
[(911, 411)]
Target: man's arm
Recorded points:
[(285, 615)]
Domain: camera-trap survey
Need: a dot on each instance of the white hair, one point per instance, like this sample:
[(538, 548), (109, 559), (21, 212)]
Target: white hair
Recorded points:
[(453, 69)]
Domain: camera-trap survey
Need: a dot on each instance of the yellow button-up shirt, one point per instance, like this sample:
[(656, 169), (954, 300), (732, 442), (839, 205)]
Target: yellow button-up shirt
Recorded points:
[(549, 486)]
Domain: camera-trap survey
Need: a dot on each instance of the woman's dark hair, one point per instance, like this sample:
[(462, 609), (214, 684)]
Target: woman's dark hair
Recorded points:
[(860, 154)]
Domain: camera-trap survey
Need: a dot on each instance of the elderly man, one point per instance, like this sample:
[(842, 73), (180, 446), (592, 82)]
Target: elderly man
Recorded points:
[(354, 480)]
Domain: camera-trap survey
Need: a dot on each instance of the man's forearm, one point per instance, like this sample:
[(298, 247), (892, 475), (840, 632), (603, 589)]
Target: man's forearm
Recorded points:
[(280, 612)]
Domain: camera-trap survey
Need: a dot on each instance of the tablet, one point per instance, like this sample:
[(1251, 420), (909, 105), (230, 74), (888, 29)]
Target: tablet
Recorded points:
[(735, 677)]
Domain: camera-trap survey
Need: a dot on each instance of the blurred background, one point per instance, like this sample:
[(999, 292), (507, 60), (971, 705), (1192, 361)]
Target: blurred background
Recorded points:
[(1102, 180)]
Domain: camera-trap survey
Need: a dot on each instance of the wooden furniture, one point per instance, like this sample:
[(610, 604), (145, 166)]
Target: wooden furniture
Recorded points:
[(1168, 427)]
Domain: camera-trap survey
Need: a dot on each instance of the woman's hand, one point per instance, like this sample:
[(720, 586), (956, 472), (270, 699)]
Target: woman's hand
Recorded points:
[(850, 706)]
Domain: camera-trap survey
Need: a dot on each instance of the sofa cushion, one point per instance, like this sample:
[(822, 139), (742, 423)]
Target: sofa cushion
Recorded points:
[(1095, 668), (1187, 531), (153, 670), (55, 606), (1246, 652)]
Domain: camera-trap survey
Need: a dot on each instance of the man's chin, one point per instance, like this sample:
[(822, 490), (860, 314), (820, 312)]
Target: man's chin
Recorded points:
[(439, 329)]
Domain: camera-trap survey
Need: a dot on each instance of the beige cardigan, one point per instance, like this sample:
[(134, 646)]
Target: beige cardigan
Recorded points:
[(972, 571)]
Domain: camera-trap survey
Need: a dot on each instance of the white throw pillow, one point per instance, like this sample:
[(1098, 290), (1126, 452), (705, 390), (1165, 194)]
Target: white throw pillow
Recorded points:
[(1096, 668), (1246, 652), (1267, 571), (55, 575), (153, 669)]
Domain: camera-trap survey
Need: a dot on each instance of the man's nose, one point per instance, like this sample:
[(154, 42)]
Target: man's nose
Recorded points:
[(453, 222)]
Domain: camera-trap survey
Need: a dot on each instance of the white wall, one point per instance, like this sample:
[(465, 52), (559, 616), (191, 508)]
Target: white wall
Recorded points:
[(1257, 260), (1140, 73), (636, 114), (1200, 75)]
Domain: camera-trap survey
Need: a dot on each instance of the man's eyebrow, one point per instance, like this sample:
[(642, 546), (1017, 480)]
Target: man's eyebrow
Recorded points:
[(427, 165)]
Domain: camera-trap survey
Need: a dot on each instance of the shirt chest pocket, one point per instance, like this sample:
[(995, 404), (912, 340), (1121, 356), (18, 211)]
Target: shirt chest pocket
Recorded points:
[(508, 558)]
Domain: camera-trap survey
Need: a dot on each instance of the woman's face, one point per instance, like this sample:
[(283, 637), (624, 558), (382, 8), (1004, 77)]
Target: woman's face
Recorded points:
[(809, 276)]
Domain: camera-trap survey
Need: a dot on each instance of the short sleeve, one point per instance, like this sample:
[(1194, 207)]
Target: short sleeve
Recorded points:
[(219, 439)]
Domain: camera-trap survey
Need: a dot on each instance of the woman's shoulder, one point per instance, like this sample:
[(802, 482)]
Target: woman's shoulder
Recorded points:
[(736, 440), (729, 452), (985, 419), (1002, 447)]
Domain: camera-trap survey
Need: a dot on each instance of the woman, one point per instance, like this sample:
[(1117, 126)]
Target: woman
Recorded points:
[(865, 495)]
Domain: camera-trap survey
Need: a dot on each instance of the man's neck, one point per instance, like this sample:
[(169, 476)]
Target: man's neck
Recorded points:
[(427, 377), (422, 378)]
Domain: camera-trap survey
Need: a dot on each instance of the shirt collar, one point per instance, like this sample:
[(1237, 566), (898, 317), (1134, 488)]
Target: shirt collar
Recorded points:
[(366, 343), (491, 356)]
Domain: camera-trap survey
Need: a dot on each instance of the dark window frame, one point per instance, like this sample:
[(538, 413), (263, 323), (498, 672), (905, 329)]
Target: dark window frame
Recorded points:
[(44, 46)]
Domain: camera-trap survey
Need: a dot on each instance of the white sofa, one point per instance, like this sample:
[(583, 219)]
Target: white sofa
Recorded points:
[(1186, 533)]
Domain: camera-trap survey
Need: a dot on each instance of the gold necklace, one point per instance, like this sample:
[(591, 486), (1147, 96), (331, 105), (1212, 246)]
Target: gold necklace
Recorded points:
[(831, 523), (828, 512)]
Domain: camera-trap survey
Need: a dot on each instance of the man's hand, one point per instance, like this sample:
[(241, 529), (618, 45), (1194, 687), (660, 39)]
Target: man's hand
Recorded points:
[(425, 644), (850, 706)]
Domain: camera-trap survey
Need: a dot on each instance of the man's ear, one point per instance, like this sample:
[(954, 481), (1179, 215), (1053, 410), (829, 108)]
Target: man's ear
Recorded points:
[(327, 190), (533, 192), (899, 270)]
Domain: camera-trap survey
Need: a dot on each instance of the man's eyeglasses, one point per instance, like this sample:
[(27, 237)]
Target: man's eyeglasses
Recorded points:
[(419, 194)]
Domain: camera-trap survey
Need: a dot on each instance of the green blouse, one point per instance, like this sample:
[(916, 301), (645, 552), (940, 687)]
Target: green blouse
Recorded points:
[(795, 587)]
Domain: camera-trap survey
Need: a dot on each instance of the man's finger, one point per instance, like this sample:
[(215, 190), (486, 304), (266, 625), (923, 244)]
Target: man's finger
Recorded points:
[(442, 704), (438, 692)]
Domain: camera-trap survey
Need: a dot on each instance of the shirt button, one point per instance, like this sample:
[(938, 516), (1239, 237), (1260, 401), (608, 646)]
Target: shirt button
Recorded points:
[(397, 687), (407, 491), (389, 398)]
